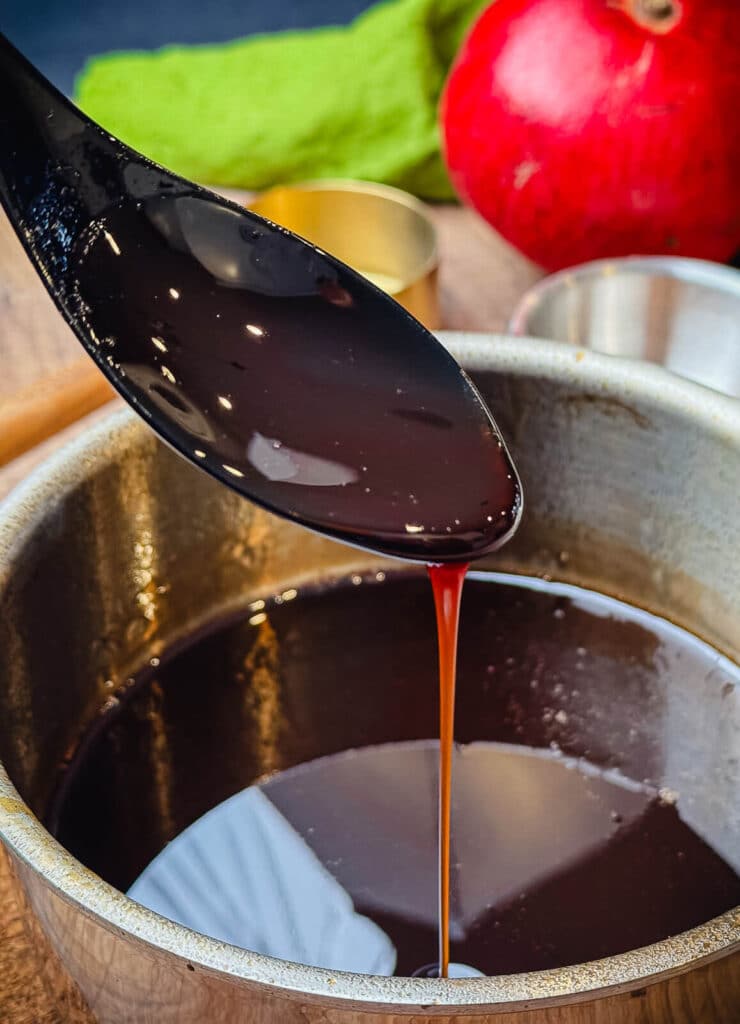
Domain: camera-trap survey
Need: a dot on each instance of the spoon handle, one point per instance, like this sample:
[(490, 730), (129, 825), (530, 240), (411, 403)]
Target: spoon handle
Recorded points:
[(34, 119), (59, 170)]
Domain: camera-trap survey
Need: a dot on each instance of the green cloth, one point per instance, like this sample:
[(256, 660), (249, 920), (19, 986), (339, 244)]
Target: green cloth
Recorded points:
[(358, 101)]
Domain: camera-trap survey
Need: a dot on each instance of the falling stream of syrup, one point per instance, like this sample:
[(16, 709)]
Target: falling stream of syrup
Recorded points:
[(447, 583)]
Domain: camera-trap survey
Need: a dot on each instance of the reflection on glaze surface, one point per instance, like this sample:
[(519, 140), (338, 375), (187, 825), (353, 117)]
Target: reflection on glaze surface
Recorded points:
[(333, 863), (243, 874)]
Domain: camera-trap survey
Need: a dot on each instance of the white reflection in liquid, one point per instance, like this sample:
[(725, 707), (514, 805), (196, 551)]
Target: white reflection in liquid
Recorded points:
[(242, 874)]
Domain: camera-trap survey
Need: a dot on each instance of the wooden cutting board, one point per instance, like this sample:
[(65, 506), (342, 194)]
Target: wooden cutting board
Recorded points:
[(481, 279)]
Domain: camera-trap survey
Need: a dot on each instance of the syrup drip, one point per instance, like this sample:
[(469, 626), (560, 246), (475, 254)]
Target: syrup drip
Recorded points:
[(447, 583)]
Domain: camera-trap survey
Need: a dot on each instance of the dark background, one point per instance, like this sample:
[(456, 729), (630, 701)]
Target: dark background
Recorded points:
[(58, 35)]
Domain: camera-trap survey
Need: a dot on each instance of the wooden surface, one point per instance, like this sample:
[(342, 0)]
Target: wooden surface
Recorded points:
[(481, 279), (43, 409)]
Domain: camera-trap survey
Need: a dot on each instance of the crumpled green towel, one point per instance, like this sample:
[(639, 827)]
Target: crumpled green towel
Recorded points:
[(358, 101)]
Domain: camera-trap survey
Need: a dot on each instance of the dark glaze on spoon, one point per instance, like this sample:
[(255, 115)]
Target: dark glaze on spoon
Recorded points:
[(273, 366)]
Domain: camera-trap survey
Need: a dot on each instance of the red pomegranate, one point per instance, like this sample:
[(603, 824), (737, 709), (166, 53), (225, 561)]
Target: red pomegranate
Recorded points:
[(589, 128)]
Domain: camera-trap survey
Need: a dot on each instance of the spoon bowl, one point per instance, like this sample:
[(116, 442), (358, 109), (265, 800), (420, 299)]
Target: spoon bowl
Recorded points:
[(273, 366)]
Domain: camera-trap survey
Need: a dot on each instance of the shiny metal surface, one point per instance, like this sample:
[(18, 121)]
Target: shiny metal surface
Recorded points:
[(116, 548), (681, 313), (381, 231)]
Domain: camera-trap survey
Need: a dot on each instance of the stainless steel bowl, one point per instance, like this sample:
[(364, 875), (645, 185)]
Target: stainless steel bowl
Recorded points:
[(382, 232), (116, 548), (681, 313)]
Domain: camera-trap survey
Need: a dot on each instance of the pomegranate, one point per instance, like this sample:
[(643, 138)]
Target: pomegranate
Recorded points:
[(589, 128)]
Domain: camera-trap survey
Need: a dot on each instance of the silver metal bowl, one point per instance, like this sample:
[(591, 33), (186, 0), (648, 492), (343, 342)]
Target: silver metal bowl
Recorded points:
[(683, 314), (116, 548)]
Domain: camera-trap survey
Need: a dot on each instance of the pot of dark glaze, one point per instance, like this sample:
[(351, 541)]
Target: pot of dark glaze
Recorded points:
[(116, 548)]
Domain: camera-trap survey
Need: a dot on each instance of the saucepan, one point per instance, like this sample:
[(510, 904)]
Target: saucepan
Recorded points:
[(116, 549)]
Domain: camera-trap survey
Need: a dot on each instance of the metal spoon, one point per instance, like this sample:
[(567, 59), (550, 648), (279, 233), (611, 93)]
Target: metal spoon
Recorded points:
[(263, 360)]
